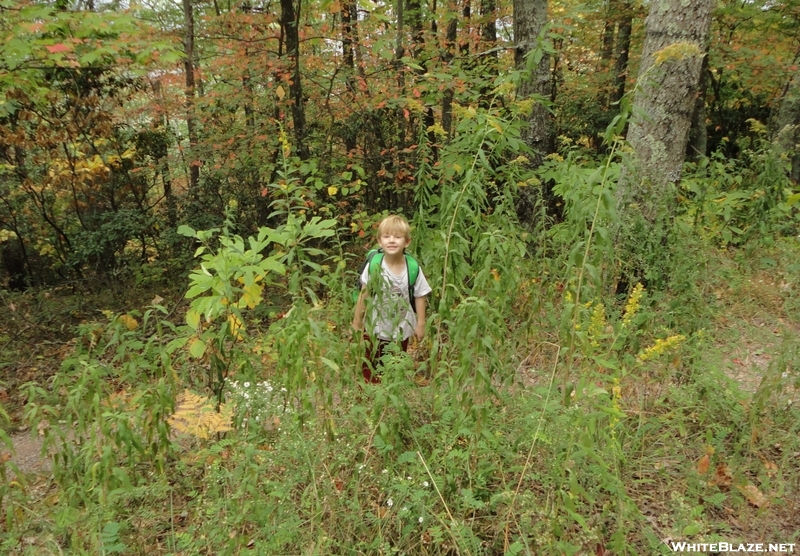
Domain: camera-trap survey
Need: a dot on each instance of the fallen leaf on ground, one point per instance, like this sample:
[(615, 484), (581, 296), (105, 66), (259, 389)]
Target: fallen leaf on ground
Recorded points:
[(754, 496), (722, 476), (704, 464)]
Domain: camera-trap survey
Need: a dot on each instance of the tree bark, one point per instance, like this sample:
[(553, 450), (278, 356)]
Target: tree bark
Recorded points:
[(530, 18), (290, 19), (787, 125), (624, 29), (447, 57), (698, 135), (188, 66), (669, 74)]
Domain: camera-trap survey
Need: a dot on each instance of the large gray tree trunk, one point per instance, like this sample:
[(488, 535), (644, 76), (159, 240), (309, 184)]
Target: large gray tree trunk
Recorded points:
[(787, 125), (677, 32), (530, 18)]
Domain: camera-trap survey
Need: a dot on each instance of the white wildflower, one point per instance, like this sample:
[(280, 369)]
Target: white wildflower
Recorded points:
[(390, 502)]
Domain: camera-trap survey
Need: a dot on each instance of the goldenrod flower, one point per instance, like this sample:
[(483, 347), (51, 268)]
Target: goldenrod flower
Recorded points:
[(597, 324), (661, 346), (633, 304)]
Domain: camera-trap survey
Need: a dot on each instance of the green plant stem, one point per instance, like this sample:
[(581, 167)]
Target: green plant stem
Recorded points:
[(581, 272), (450, 515), (533, 444)]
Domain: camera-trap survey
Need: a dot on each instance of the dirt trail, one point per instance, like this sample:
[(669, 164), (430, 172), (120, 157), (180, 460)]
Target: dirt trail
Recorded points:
[(27, 455)]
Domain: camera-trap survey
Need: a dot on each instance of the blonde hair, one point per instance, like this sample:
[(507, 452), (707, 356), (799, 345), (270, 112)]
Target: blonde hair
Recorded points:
[(395, 224)]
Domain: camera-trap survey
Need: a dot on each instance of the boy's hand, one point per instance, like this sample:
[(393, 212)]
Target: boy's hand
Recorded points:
[(420, 332)]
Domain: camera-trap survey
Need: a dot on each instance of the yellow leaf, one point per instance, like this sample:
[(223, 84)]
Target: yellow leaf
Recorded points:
[(236, 326), (332, 190), (195, 415), (280, 92), (128, 322), (251, 296)]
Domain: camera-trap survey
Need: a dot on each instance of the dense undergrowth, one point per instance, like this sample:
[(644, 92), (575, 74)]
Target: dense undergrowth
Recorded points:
[(544, 413)]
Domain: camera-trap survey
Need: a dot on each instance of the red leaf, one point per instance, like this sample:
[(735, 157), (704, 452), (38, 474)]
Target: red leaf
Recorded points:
[(60, 47)]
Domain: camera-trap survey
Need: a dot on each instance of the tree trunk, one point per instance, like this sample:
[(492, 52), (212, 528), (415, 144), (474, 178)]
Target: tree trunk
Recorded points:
[(787, 125), (698, 135), (447, 57), (530, 17), (290, 19), (609, 29), (664, 102), (625, 26), (188, 66)]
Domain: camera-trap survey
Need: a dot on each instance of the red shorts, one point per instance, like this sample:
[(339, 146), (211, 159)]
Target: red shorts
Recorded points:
[(372, 358)]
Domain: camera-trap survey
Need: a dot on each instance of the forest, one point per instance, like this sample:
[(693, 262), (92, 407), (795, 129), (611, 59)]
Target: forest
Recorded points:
[(603, 196)]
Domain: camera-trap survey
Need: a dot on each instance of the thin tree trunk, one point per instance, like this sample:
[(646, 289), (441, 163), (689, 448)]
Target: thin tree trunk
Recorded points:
[(625, 28), (787, 125), (447, 58), (609, 30), (188, 65), (290, 20), (698, 134), (163, 160)]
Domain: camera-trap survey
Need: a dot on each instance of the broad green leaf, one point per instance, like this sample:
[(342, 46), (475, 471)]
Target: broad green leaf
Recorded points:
[(193, 319), (198, 348)]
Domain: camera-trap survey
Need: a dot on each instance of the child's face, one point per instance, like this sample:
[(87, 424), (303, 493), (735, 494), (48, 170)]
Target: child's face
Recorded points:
[(393, 242)]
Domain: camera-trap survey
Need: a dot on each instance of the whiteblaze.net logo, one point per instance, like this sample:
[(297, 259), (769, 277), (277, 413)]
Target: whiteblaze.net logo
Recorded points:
[(731, 547)]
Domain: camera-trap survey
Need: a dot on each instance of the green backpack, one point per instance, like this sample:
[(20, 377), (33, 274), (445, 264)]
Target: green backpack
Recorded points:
[(374, 259)]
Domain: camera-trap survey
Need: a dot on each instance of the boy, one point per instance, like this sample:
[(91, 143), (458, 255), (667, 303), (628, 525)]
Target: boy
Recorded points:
[(391, 318)]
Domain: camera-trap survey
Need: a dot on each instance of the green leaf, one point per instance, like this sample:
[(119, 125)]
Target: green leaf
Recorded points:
[(330, 363), (691, 529), (193, 319), (187, 231), (198, 348)]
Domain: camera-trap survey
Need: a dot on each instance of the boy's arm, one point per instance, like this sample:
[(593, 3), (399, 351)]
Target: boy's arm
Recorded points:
[(361, 307), (419, 303)]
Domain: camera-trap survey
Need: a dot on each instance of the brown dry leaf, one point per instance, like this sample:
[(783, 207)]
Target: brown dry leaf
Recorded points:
[(704, 464), (382, 512), (272, 423), (754, 496), (769, 466), (157, 300), (41, 427), (5, 457), (722, 476)]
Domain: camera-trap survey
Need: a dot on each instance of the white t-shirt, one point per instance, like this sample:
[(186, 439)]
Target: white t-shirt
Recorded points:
[(392, 317)]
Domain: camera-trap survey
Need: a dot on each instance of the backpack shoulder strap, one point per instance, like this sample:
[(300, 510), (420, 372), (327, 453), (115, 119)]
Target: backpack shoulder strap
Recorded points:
[(374, 260), (412, 270)]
